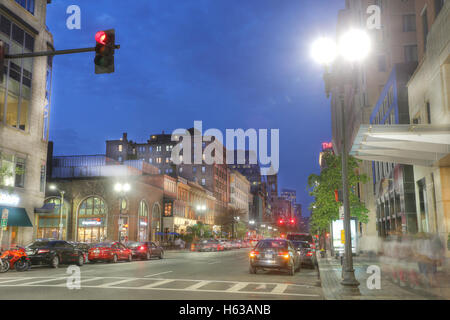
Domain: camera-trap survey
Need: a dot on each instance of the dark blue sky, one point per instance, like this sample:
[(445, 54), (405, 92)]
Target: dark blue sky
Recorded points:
[(230, 63)]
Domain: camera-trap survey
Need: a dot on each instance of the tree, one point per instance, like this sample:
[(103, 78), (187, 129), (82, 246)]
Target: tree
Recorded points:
[(226, 218), (322, 187)]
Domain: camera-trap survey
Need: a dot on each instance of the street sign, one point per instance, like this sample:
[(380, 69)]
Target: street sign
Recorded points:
[(4, 224), (342, 236), (341, 212)]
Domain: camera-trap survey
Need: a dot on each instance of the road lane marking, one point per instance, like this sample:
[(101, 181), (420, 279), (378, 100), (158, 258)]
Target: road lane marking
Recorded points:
[(115, 283), (280, 288), (213, 262), (157, 274), (197, 285), (155, 284), (237, 287)]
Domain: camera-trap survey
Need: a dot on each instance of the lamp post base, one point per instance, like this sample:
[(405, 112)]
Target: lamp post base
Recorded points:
[(350, 284)]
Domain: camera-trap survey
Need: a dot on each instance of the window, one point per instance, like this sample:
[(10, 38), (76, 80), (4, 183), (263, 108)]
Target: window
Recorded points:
[(27, 4), (120, 158), (409, 23), (120, 148), (381, 63), (438, 4), (167, 160), (150, 160), (14, 102), (181, 169), (158, 148), (92, 206), (158, 160), (42, 181), (411, 53), (203, 169), (425, 28), (48, 89), (194, 169), (20, 173), (203, 182)]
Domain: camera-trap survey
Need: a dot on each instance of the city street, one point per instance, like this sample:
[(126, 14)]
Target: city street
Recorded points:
[(180, 275)]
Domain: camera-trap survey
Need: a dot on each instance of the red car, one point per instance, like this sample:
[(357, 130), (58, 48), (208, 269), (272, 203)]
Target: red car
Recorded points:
[(109, 251)]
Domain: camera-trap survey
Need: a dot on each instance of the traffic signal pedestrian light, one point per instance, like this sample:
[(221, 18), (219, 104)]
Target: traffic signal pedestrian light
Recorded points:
[(104, 51)]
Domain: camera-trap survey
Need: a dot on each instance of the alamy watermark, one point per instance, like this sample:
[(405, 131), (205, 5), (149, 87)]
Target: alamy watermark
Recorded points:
[(209, 147)]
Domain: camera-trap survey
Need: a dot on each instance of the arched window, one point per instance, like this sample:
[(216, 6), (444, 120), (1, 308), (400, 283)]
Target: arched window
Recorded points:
[(48, 223), (143, 221), (156, 222), (92, 222)]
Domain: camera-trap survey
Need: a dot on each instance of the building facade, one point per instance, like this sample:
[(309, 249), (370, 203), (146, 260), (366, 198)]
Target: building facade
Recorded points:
[(429, 106), (239, 193), (24, 116)]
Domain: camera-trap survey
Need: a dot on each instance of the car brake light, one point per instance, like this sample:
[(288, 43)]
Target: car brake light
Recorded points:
[(43, 250), (309, 254), (141, 248), (284, 254), (254, 254)]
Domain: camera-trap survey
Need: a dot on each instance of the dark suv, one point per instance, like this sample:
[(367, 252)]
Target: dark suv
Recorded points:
[(54, 253), (277, 254)]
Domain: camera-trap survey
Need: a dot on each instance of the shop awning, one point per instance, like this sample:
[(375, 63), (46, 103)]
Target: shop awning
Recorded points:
[(17, 217), (46, 208), (424, 145)]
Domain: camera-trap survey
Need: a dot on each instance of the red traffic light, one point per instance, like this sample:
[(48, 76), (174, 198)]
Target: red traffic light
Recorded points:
[(101, 37), (280, 221), (292, 221)]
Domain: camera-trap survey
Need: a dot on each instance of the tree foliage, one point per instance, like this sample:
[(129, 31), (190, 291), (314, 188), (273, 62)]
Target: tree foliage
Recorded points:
[(322, 187)]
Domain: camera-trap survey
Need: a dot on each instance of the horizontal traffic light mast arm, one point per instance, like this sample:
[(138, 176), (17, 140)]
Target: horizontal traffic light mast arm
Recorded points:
[(51, 53)]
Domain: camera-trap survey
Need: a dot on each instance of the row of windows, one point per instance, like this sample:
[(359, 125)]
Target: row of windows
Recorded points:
[(15, 91)]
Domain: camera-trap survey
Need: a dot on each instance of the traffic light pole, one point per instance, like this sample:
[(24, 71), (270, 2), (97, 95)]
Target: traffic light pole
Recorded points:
[(51, 53)]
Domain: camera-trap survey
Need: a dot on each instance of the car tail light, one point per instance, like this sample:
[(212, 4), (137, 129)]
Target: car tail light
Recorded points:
[(43, 251), (141, 248), (254, 254), (284, 254), (309, 254)]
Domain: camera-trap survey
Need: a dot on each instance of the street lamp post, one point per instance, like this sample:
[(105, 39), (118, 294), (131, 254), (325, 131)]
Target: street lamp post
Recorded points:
[(122, 189), (354, 45), (61, 210)]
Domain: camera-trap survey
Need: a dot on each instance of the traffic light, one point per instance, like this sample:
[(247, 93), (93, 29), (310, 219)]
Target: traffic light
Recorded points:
[(2, 60), (280, 222), (292, 221), (104, 51)]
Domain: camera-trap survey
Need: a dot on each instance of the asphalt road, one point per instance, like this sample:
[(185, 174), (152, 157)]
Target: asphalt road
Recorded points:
[(179, 276)]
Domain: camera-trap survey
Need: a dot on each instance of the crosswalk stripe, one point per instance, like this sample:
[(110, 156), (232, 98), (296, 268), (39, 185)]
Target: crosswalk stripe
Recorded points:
[(197, 285), (41, 281), (279, 288), (17, 279), (155, 284), (115, 282), (237, 287)]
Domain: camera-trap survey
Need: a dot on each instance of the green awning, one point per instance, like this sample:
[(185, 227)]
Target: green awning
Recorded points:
[(17, 217)]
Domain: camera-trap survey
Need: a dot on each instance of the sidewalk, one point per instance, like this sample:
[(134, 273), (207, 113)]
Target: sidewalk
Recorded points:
[(330, 274)]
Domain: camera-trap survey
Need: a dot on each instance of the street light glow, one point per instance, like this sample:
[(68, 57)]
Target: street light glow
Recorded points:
[(324, 50), (122, 187), (126, 187), (354, 45), (52, 187)]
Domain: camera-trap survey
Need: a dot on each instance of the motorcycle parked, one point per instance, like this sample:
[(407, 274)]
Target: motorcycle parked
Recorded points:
[(14, 259)]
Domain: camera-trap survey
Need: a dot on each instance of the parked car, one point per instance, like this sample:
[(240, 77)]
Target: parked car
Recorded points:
[(275, 254), (235, 244), (84, 247), (110, 252), (225, 244), (145, 250), (54, 253), (295, 236), (307, 254), (205, 245)]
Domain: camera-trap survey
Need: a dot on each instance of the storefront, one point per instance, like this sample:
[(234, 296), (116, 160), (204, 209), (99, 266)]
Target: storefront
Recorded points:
[(12, 218), (92, 220), (143, 221), (48, 221), (156, 223)]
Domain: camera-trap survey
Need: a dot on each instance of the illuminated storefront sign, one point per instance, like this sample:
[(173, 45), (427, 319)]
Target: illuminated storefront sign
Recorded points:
[(143, 223), (95, 222), (9, 199)]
